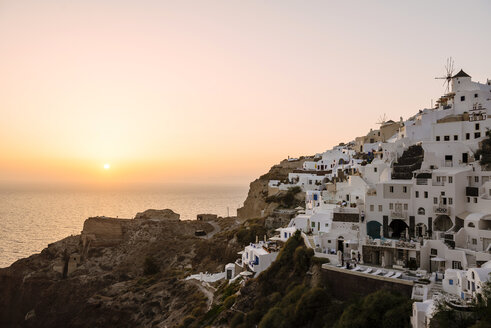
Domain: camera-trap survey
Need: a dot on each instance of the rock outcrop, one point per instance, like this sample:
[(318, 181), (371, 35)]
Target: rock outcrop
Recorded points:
[(255, 202), (166, 215)]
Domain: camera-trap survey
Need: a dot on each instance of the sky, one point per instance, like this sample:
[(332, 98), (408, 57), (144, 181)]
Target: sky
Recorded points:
[(213, 92)]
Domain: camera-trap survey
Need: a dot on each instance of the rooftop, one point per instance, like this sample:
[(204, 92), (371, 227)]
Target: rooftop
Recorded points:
[(461, 74)]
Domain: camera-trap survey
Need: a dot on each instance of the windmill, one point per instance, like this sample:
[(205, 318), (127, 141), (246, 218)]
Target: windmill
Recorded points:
[(382, 119), (449, 70)]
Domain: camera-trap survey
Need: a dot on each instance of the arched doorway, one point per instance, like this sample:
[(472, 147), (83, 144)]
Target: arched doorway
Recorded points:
[(341, 244), (373, 229), (442, 223), (397, 228)]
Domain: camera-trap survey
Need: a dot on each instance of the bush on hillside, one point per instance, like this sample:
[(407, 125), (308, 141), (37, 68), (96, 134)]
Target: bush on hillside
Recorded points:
[(484, 152), (150, 266), (380, 309)]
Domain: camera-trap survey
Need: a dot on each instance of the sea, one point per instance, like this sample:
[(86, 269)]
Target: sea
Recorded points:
[(31, 219)]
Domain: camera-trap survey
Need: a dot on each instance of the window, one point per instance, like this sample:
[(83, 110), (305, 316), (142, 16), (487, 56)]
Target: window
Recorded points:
[(450, 179), (467, 136), (313, 224), (391, 188), (450, 281), (471, 225), (456, 265), (405, 207), (477, 135), (462, 98), (380, 208), (442, 193), (435, 200), (426, 194), (476, 179), (468, 199), (455, 137), (446, 138), (434, 251), (450, 201), (474, 242), (438, 179), (371, 207), (477, 126), (404, 189), (374, 169), (327, 225), (475, 200), (475, 95), (437, 138), (391, 206), (416, 194), (421, 211)]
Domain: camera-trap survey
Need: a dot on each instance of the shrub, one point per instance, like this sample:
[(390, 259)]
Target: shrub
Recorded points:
[(274, 318), (229, 301), (237, 319), (150, 266), (379, 309)]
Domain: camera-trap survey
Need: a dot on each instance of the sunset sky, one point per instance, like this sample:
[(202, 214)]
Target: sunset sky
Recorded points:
[(213, 91)]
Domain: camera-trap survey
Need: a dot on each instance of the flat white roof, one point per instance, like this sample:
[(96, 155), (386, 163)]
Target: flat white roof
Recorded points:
[(452, 170)]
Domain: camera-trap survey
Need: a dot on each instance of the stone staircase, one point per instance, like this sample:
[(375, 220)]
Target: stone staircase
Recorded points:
[(435, 288), (410, 161), (471, 260)]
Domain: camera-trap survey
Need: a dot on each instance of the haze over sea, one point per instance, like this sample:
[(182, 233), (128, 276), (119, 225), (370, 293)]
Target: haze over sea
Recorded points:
[(30, 220)]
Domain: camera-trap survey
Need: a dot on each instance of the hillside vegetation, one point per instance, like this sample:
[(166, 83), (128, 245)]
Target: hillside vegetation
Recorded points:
[(291, 294)]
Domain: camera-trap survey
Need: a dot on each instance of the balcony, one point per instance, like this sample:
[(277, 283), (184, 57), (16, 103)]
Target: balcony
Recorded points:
[(441, 210), (398, 215)]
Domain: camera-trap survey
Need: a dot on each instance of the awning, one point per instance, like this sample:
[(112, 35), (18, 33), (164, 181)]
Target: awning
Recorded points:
[(246, 273), (437, 259)]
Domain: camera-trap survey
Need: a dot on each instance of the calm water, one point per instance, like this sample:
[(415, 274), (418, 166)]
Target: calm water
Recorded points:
[(29, 220)]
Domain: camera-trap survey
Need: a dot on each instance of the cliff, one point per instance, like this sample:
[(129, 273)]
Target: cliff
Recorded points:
[(117, 273), (256, 202)]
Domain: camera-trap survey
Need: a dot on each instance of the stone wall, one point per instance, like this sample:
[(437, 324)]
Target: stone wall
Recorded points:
[(206, 217), (345, 284), (101, 231)]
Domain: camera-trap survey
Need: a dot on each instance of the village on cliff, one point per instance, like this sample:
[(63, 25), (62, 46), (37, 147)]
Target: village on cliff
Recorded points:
[(406, 206)]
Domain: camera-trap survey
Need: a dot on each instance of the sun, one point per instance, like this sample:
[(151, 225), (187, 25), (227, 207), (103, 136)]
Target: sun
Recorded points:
[(107, 166)]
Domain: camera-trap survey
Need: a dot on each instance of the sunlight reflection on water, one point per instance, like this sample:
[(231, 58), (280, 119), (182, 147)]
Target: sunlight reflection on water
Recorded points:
[(29, 220)]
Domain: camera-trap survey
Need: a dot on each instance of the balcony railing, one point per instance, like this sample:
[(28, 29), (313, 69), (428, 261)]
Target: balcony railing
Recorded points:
[(442, 209), (398, 214)]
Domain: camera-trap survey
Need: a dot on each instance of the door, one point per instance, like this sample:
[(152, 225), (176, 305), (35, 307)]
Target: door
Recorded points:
[(340, 245), (465, 157)]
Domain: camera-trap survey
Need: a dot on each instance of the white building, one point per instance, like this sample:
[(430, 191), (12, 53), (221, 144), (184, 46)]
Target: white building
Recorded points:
[(259, 256)]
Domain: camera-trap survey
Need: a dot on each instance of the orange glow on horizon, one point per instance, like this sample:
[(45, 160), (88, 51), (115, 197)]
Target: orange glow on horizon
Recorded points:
[(214, 91)]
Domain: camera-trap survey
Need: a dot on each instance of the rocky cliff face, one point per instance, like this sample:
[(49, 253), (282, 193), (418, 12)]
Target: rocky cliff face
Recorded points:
[(255, 202), (100, 281)]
